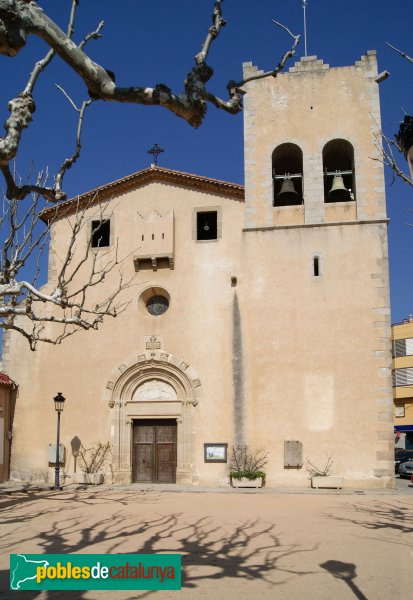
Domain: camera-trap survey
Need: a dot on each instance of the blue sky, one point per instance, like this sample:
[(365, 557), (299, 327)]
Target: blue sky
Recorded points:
[(149, 42)]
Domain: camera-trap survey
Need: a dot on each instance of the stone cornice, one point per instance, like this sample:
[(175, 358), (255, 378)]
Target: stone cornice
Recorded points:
[(308, 225), (140, 178)]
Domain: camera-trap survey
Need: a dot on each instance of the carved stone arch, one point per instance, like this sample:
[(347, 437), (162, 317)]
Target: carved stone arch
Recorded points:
[(121, 394), (136, 368)]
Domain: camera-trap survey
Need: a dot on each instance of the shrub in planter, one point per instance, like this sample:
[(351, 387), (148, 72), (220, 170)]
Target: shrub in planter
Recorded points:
[(315, 471), (92, 461), (321, 478), (88, 478), (246, 467), (250, 475)]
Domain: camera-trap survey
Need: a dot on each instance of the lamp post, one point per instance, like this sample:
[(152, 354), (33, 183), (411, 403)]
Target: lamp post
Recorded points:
[(59, 401)]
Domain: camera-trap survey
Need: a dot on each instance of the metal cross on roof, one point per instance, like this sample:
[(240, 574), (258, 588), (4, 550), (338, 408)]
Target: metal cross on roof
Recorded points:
[(156, 151)]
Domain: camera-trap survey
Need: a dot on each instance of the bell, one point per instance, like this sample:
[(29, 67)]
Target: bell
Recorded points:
[(287, 193), (338, 192)]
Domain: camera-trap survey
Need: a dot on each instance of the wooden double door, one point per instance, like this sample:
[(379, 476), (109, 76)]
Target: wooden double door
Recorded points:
[(154, 451)]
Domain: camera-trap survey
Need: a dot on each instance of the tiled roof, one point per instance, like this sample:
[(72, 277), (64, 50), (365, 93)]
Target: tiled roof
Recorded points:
[(5, 380), (178, 178)]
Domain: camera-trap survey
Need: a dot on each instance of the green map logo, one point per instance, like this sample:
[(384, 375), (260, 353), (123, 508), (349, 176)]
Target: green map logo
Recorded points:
[(24, 570), (95, 572)]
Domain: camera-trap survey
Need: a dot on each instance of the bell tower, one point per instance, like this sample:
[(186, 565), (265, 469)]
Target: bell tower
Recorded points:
[(310, 136), (314, 293)]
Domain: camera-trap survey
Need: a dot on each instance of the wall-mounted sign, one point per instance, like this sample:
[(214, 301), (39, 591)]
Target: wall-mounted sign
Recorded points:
[(215, 453)]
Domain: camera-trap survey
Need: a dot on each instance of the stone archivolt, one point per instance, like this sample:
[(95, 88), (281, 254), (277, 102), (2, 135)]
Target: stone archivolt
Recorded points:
[(173, 371)]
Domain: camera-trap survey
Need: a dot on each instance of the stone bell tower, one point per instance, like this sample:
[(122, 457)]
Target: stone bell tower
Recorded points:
[(315, 235), (310, 123)]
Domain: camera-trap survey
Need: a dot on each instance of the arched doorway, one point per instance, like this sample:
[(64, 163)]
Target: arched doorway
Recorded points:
[(153, 400)]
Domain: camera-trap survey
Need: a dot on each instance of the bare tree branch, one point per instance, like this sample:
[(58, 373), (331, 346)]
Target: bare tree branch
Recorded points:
[(65, 304), (19, 19), (406, 56), (69, 162), (44, 62), (217, 22), (19, 192), (56, 193), (386, 147), (234, 105), (403, 143), (21, 109), (289, 54), (94, 35), (100, 82)]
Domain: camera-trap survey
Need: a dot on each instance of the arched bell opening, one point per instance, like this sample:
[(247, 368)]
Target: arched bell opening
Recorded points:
[(287, 172), (338, 167)]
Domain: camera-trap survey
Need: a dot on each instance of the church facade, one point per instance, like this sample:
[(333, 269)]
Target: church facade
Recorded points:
[(258, 315)]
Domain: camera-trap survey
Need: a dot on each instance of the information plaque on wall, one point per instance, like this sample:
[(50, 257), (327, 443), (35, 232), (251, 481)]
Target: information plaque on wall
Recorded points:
[(293, 454)]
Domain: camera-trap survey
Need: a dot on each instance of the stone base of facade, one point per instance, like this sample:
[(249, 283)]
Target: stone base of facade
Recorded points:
[(185, 477)]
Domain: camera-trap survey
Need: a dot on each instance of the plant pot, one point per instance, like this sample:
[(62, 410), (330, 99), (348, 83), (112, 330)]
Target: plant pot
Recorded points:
[(330, 481), (246, 483), (88, 478)]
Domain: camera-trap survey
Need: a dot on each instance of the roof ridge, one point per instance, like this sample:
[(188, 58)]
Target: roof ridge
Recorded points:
[(143, 176)]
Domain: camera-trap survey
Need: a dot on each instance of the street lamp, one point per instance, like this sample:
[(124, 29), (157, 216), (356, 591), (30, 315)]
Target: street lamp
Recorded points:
[(59, 401)]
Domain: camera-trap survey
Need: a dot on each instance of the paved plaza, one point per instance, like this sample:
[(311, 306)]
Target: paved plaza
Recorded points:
[(253, 544)]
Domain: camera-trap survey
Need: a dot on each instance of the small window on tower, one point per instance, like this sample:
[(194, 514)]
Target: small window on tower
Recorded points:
[(101, 233), (316, 266), (206, 225)]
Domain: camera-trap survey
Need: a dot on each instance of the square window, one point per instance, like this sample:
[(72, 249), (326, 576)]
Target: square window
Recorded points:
[(400, 410), (207, 225), (101, 233)]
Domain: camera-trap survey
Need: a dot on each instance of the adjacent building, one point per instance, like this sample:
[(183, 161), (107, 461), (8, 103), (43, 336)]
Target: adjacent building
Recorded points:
[(7, 402), (402, 347)]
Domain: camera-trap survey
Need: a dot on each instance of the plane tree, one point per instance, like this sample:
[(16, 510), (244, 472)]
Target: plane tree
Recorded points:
[(402, 142), (25, 306)]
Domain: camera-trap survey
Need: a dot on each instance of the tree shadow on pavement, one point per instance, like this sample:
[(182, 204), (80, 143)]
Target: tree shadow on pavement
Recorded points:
[(24, 506), (250, 550), (82, 495), (379, 515)]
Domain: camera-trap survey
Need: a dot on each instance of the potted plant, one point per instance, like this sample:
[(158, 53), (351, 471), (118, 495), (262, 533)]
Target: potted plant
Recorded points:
[(91, 461), (321, 478), (246, 467)]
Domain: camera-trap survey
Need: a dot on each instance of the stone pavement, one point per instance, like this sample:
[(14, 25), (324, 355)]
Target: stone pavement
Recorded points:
[(234, 544)]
